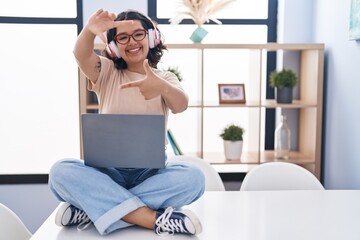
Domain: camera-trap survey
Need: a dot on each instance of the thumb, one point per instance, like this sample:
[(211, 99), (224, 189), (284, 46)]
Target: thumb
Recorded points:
[(103, 37), (147, 67)]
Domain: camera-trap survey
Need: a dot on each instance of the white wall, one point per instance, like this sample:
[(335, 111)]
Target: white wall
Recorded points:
[(327, 21), (33, 203), (295, 21), (342, 87)]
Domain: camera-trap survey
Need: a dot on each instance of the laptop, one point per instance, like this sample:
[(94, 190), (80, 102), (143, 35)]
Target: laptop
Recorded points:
[(123, 140)]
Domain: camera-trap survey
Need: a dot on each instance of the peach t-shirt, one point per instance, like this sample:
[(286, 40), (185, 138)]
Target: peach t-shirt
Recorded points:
[(114, 100)]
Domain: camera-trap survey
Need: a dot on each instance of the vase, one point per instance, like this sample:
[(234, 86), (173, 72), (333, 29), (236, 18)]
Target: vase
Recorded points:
[(282, 140), (198, 35)]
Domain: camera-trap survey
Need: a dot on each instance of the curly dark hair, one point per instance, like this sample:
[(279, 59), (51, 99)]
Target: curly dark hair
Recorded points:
[(154, 54)]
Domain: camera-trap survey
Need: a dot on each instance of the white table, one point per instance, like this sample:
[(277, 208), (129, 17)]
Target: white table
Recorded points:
[(270, 215)]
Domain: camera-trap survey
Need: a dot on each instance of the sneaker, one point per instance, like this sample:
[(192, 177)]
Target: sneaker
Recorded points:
[(170, 221), (68, 215)]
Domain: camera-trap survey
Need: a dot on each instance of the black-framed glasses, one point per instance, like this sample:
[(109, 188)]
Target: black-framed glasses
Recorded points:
[(124, 38)]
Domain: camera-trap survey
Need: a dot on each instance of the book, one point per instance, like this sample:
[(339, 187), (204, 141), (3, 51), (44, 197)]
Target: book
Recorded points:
[(173, 143)]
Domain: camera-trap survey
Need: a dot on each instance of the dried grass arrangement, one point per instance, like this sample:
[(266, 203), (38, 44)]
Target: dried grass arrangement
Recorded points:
[(200, 11)]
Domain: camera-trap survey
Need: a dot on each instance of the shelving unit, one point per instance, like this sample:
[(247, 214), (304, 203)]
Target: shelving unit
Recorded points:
[(202, 90)]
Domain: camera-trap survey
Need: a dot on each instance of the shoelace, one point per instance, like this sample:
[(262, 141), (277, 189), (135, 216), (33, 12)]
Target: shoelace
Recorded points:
[(81, 218), (166, 226)]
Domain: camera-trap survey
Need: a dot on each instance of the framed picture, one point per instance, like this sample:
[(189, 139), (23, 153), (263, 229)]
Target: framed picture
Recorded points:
[(354, 29), (232, 93)]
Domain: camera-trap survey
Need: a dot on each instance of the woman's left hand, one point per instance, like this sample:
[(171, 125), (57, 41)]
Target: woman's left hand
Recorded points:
[(150, 86)]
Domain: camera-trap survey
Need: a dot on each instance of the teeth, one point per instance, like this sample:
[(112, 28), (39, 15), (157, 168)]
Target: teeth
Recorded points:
[(134, 50)]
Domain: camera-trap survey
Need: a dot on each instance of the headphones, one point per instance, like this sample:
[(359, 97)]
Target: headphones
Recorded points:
[(154, 40)]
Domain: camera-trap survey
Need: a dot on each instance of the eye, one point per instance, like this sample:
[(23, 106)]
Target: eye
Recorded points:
[(122, 38), (139, 34)]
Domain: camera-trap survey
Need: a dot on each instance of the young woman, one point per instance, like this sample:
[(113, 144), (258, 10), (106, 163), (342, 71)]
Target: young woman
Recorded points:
[(127, 81)]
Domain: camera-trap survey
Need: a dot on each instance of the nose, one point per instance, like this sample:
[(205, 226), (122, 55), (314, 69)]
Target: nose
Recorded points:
[(132, 40)]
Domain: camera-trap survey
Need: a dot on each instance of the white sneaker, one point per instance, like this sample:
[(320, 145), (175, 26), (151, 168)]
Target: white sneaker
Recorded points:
[(68, 215)]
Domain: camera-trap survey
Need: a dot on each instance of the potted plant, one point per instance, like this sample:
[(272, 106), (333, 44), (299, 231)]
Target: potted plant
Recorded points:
[(233, 141), (283, 81), (176, 71)]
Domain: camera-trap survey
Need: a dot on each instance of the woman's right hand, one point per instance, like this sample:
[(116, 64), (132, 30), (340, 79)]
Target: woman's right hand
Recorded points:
[(100, 22)]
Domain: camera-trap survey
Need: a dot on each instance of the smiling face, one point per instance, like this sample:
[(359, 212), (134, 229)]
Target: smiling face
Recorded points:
[(133, 52)]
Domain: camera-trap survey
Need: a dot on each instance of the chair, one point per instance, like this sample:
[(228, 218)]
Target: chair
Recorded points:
[(11, 227), (213, 181), (280, 176)]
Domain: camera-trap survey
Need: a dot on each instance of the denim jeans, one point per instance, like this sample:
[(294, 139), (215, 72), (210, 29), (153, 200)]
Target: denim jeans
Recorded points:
[(108, 194)]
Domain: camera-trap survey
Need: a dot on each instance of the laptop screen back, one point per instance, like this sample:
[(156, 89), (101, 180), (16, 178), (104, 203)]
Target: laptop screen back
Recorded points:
[(123, 140)]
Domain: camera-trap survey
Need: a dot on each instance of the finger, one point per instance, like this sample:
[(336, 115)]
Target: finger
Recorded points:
[(102, 14), (99, 11), (112, 16), (103, 37), (123, 23), (130, 84)]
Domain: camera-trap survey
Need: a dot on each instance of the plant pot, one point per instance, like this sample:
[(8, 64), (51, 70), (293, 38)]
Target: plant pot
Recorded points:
[(233, 150), (284, 95)]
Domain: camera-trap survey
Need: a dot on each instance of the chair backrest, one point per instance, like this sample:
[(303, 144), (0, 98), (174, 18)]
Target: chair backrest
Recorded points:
[(280, 176), (11, 226), (213, 181)]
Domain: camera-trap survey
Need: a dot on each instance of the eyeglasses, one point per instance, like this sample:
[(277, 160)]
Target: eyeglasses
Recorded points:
[(123, 38)]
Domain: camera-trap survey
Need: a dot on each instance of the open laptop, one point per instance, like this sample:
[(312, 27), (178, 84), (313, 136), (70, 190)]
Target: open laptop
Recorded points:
[(123, 140)]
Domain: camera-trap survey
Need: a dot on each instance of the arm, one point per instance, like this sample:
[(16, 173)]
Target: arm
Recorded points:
[(87, 59), (153, 85), (175, 98)]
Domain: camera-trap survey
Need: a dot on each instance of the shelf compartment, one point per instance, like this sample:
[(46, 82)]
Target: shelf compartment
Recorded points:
[(295, 157), (219, 158), (295, 104)]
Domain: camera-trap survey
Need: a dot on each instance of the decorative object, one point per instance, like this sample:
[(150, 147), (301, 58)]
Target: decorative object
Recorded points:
[(232, 93), (198, 35), (200, 11), (233, 141), (282, 140), (283, 81), (354, 28), (176, 71)]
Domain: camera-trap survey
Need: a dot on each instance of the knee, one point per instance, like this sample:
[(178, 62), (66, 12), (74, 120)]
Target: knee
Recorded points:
[(193, 178), (61, 169)]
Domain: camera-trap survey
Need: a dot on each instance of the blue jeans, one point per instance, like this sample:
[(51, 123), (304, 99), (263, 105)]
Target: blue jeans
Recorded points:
[(108, 194)]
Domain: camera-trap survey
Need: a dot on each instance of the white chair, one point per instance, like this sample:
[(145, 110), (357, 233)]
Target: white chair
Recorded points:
[(280, 176), (213, 181), (11, 226)]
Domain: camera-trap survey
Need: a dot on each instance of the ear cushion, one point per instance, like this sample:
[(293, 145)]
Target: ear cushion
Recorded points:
[(112, 50), (154, 38)]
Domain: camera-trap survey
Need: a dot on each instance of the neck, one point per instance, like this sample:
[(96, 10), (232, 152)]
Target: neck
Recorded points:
[(138, 68)]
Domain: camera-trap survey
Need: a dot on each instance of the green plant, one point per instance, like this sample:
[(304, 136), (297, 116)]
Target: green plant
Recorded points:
[(232, 133), (176, 71), (284, 78)]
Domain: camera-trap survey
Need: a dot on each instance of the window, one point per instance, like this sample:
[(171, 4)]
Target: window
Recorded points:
[(39, 107), (244, 21)]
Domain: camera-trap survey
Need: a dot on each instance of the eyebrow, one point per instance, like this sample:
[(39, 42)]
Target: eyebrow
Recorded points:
[(132, 32)]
